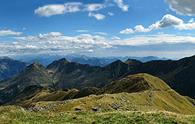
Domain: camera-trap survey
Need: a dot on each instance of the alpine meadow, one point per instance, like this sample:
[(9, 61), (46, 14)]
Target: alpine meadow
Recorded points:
[(97, 62)]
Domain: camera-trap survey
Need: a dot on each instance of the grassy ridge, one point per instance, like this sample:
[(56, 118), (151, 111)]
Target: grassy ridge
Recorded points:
[(146, 93), (17, 115)]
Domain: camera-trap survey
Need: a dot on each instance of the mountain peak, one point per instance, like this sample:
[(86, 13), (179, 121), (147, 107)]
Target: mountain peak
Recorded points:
[(132, 62), (116, 63), (136, 83), (58, 63), (64, 60), (35, 65)]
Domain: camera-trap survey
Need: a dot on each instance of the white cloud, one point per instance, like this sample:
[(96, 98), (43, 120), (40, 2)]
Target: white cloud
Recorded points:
[(51, 34), (110, 14), (127, 31), (90, 50), (185, 7), (94, 7), (137, 29), (72, 7), (101, 33), (140, 28), (98, 16), (50, 10), (82, 31), (186, 26), (116, 38), (155, 39), (166, 21), (9, 33), (191, 20), (57, 42), (120, 4), (58, 9)]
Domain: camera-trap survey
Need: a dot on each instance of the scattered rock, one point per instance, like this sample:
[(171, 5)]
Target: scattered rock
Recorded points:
[(77, 109), (115, 106), (95, 109), (94, 122)]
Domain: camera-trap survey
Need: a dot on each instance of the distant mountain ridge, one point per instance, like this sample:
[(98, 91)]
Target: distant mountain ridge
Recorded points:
[(82, 59)]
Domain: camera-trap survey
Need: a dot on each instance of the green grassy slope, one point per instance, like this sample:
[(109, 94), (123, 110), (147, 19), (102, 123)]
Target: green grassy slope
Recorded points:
[(140, 92), (16, 115), (136, 83)]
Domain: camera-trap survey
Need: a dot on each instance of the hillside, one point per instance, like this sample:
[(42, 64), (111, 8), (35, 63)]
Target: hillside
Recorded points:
[(139, 98), (136, 83), (34, 75), (140, 92), (10, 67), (13, 115), (178, 74), (143, 93), (74, 75)]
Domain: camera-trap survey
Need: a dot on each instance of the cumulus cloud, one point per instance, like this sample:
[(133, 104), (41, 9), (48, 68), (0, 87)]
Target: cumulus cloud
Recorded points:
[(166, 21), (186, 26), (127, 31), (72, 7), (140, 28), (50, 10), (58, 9), (56, 42), (185, 7), (97, 16), (9, 33)]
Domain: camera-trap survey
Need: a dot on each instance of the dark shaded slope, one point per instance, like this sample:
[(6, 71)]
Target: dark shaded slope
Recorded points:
[(180, 75), (33, 75), (71, 75), (74, 75), (10, 67)]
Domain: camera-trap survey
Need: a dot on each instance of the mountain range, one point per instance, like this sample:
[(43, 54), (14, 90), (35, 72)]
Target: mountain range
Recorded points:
[(82, 59), (131, 85)]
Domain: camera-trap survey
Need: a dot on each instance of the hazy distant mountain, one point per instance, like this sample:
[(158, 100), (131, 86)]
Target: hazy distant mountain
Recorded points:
[(82, 59), (10, 67), (42, 59)]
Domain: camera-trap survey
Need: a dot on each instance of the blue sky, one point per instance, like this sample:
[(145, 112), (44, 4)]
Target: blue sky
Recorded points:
[(162, 28)]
